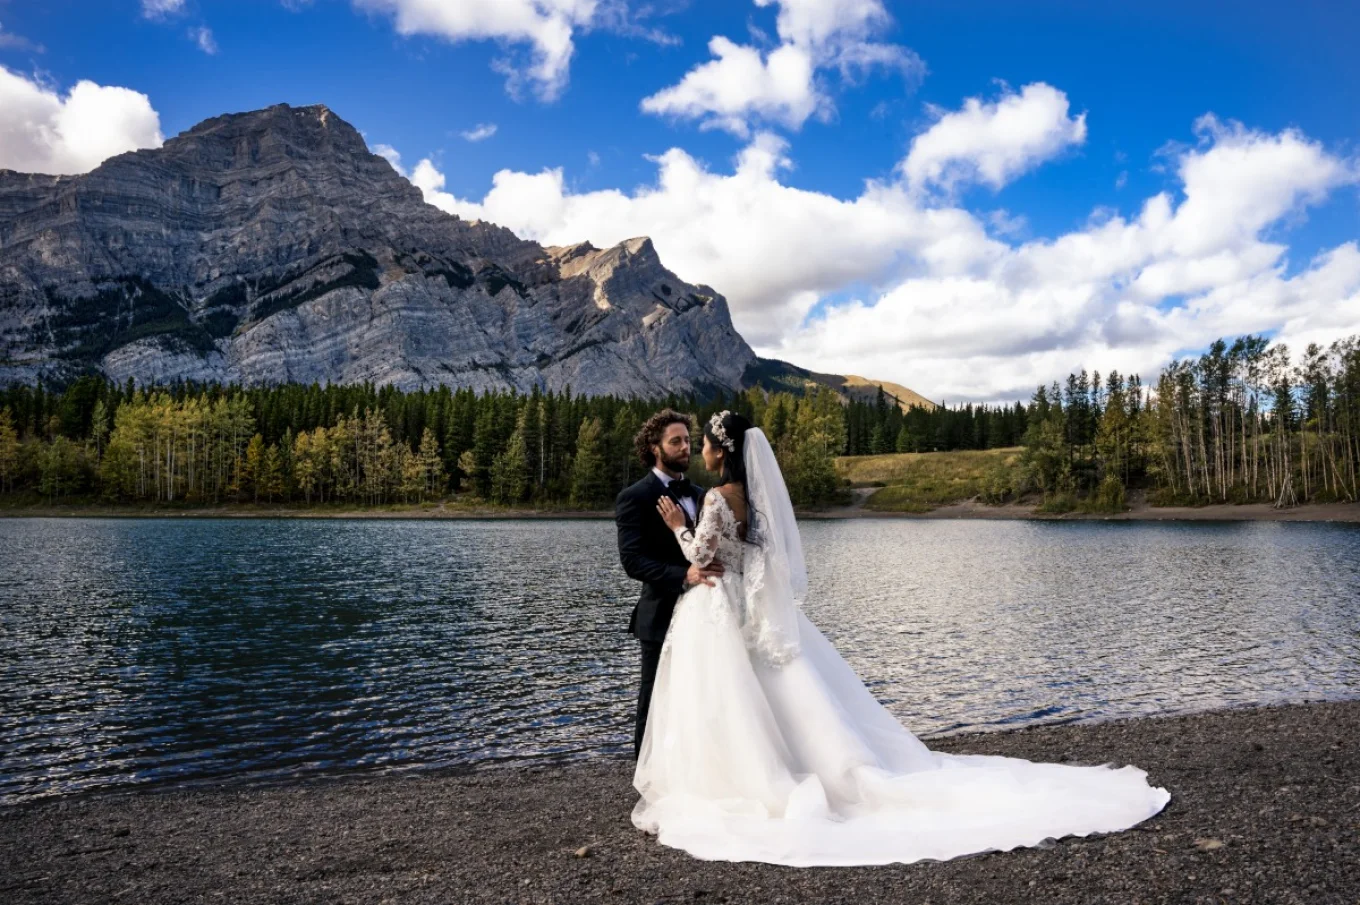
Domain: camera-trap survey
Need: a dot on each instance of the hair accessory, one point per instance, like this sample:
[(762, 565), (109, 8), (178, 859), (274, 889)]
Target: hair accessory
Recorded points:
[(715, 427)]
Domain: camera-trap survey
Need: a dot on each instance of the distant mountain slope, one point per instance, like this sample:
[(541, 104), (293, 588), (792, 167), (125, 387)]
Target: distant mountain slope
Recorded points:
[(774, 374)]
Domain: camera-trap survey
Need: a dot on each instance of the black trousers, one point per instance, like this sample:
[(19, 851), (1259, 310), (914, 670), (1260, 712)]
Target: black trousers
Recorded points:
[(651, 656)]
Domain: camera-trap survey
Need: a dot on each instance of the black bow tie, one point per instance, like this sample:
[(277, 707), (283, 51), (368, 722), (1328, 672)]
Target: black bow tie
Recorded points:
[(681, 487)]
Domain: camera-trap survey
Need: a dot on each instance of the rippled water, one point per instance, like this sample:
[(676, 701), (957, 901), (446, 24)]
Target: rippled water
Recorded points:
[(137, 650)]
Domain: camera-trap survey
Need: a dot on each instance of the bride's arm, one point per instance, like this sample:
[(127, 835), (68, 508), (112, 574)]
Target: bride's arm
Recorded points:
[(700, 544)]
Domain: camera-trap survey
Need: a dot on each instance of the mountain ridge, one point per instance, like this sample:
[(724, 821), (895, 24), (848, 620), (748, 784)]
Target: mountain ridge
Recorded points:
[(272, 246)]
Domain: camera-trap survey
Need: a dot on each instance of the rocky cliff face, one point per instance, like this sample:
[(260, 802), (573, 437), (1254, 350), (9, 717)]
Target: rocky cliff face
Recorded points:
[(272, 246)]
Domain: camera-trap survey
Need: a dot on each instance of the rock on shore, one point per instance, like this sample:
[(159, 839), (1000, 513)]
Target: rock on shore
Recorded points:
[(1265, 808)]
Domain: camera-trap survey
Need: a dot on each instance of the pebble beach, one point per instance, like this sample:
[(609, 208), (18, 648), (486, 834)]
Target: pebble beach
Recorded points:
[(1265, 807)]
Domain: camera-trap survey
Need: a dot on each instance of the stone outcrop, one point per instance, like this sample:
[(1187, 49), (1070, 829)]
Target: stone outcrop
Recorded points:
[(272, 247)]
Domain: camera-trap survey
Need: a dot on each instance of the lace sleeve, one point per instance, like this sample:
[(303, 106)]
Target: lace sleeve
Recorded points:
[(701, 544)]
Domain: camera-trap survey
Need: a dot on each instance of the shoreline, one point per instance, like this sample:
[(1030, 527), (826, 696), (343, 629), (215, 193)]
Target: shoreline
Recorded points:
[(969, 509), (1213, 512), (1265, 807)]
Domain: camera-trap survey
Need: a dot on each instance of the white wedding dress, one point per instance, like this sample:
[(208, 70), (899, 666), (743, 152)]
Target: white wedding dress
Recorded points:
[(763, 744)]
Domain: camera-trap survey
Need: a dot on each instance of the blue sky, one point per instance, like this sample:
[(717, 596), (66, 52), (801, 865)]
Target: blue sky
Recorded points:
[(1115, 113)]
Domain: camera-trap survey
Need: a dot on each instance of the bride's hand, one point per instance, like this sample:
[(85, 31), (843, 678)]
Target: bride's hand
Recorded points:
[(671, 514)]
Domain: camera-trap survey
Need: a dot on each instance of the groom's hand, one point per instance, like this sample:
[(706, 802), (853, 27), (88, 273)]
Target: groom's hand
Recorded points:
[(704, 575)]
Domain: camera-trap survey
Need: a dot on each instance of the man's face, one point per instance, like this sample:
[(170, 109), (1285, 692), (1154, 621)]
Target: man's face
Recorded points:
[(673, 453)]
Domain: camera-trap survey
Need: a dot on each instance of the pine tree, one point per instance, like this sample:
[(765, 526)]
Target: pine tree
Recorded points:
[(589, 481), (878, 441), (57, 463), (411, 472), (467, 467), (9, 450), (99, 427), (433, 479), (253, 468), (484, 450), (510, 472), (270, 480), (817, 436), (286, 464), (306, 473), (530, 426)]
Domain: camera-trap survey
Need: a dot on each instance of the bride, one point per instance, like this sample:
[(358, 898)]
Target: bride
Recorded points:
[(763, 745)]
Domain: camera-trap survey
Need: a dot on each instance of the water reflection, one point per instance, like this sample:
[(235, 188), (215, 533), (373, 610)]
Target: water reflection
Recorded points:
[(143, 650)]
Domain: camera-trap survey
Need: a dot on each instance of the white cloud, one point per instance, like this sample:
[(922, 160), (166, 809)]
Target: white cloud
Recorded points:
[(992, 143), (430, 181), (814, 22), (158, 9), (953, 303), (742, 83), (203, 37), (745, 85), (772, 249), (480, 132), (44, 132), (547, 26)]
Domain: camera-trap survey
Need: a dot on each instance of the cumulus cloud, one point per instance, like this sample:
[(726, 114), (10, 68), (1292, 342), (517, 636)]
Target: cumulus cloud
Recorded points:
[(817, 21), (910, 287), (772, 249), (746, 85), (1125, 293), (546, 26), (203, 37), (480, 132), (45, 132), (992, 143), (741, 83)]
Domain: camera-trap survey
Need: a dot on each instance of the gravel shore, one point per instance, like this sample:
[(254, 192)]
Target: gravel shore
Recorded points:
[(1265, 808)]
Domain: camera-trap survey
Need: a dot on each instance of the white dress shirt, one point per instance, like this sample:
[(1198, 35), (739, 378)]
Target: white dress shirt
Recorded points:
[(686, 503)]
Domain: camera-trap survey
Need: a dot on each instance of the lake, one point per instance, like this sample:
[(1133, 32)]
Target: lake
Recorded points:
[(137, 651)]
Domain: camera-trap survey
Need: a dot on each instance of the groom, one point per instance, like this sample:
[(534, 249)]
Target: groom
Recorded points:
[(648, 549)]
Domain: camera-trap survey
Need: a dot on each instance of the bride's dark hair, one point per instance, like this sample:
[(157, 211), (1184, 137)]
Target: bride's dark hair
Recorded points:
[(733, 430)]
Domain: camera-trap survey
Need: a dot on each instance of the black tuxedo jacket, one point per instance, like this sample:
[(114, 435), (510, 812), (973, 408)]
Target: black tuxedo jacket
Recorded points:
[(651, 555)]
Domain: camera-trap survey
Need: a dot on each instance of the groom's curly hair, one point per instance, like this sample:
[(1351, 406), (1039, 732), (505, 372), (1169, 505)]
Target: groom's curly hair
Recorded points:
[(653, 428)]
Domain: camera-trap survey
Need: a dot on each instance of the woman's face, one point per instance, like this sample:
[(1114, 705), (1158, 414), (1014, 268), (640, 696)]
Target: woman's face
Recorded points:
[(713, 455)]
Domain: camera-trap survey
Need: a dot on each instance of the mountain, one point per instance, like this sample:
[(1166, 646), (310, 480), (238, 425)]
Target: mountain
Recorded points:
[(272, 246), (777, 375)]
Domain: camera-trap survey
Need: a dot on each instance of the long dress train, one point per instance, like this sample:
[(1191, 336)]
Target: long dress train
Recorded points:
[(753, 758)]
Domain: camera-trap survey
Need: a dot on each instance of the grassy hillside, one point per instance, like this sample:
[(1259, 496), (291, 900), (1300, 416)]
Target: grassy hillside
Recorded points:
[(919, 482), (782, 377), (866, 390)]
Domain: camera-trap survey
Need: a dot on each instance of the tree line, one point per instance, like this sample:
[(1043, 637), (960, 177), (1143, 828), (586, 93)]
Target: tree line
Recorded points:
[(95, 440), (881, 426), (1244, 422)]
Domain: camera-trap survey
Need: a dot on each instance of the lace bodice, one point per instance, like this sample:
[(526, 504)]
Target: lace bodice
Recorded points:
[(716, 536)]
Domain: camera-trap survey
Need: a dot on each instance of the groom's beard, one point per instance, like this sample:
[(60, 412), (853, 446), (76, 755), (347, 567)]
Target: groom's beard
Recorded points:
[(679, 466)]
